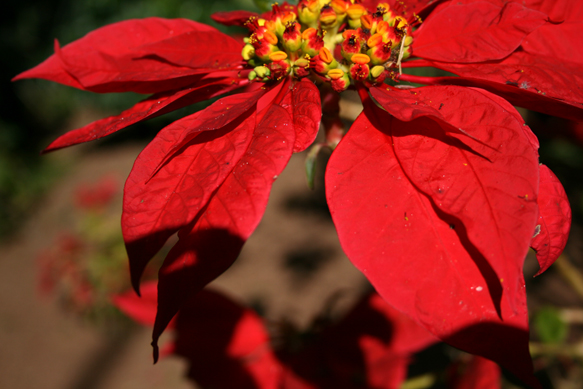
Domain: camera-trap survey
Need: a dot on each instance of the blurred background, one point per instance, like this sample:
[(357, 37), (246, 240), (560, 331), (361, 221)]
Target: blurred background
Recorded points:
[(62, 257)]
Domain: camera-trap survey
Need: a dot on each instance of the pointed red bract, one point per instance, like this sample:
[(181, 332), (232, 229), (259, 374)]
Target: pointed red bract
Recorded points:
[(233, 18), (531, 81), (560, 38), (102, 62), (160, 198), (554, 220), (419, 258), (197, 50), (476, 31), (141, 309), (151, 107), (304, 106), (213, 240), (489, 182)]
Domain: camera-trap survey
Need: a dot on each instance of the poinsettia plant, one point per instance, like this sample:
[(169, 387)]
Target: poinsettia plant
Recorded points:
[(437, 192)]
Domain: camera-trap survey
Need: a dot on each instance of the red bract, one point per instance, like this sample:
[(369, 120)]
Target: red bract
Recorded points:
[(436, 192)]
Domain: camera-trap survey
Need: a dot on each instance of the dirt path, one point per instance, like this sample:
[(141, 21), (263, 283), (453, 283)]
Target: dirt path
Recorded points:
[(290, 268)]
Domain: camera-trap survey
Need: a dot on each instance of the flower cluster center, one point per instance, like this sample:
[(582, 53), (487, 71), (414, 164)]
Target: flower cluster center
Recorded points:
[(338, 41)]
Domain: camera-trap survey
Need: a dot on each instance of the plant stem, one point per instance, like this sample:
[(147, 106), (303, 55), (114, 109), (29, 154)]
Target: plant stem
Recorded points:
[(421, 80), (570, 273), (417, 63), (419, 382), (573, 350)]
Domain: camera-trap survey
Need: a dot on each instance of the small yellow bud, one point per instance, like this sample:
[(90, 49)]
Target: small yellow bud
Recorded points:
[(376, 71), (400, 22), (248, 52)]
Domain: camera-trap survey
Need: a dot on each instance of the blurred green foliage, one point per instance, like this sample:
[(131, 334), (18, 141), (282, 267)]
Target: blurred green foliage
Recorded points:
[(549, 326), (33, 112)]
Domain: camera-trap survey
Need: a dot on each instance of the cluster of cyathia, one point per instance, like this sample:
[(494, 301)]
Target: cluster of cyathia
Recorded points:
[(336, 41)]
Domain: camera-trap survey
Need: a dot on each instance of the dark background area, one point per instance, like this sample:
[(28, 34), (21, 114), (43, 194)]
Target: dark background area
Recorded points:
[(34, 112)]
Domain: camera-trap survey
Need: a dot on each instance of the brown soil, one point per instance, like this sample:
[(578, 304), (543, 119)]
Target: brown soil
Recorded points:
[(290, 267)]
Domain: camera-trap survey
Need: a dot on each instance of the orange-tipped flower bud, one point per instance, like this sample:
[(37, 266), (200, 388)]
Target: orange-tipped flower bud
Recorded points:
[(382, 27), (355, 11), (339, 6), (359, 72), (292, 37), (361, 59), (270, 37), (352, 43), (338, 80), (335, 74), (324, 61), (326, 55), (277, 56), (309, 12), (328, 17), (312, 42), (379, 52)]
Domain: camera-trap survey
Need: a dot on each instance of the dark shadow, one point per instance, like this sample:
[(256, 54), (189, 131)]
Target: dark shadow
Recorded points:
[(204, 330), (514, 356), (490, 276), (304, 262), (200, 256), (336, 359)]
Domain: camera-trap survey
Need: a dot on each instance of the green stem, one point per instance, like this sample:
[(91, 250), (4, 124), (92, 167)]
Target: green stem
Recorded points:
[(572, 350), (419, 382), (570, 273)]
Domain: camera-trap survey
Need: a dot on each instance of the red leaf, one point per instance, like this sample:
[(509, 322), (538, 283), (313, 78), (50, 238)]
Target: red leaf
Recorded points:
[(407, 8), (554, 220), (197, 50), (543, 84), (102, 62), (213, 240), (476, 31), (151, 107), (491, 190), (232, 18), (561, 38), (226, 345), (558, 10), (302, 102), (155, 207), (490, 186), (406, 247), (141, 309)]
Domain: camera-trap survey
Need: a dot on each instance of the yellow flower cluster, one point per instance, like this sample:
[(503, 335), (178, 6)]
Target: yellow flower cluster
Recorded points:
[(334, 41)]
